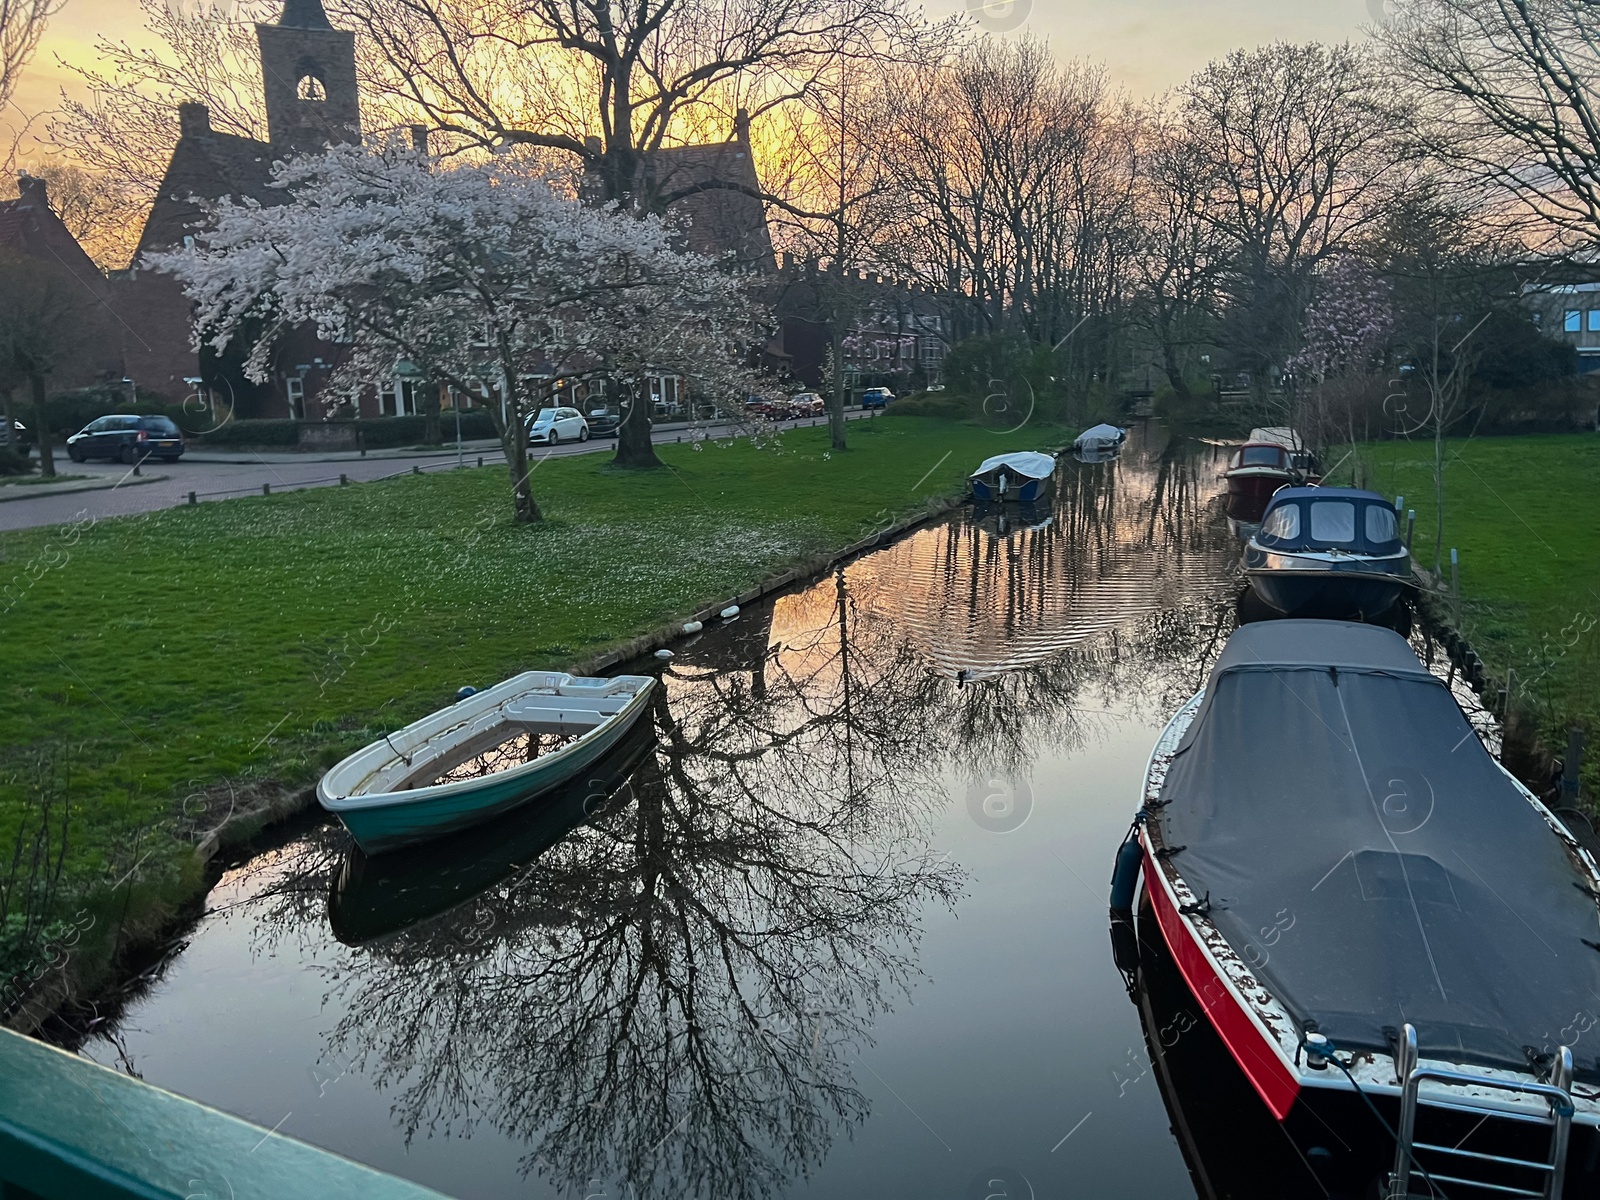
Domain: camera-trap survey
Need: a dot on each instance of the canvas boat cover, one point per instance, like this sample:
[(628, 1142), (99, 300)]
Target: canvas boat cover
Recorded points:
[(1029, 463), (1099, 435), (1366, 855)]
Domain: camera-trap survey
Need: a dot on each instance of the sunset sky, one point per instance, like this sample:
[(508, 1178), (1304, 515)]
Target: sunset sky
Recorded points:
[(1148, 45)]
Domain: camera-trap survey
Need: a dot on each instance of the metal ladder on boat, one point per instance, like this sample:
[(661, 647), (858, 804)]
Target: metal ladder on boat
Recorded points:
[(1512, 1176)]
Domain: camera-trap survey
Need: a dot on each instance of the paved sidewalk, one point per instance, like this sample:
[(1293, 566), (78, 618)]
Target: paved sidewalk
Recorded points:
[(34, 491)]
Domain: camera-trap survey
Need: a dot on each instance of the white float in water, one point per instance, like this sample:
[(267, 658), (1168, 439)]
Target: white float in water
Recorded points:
[(693, 627), (730, 612), (663, 654)]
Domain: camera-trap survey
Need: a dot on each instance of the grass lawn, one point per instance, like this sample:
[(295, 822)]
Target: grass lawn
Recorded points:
[(155, 665), (1524, 513)]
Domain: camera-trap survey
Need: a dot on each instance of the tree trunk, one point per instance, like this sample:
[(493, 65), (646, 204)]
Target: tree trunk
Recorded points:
[(836, 395), (430, 414), (41, 424), (514, 441), (635, 448), (10, 417)]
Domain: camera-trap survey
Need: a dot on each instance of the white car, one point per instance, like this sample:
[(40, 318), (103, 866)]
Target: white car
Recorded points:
[(552, 425)]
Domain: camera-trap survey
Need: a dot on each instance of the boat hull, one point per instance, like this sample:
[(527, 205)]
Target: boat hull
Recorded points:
[(1027, 493), (1331, 595), (1257, 485)]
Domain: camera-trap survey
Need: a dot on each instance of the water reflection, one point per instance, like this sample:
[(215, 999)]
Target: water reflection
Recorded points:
[(665, 977)]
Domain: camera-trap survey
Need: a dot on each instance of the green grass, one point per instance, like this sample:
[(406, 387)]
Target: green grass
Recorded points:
[(256, 641), (1524, 513)]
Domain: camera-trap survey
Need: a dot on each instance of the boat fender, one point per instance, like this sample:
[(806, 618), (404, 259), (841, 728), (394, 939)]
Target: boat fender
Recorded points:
[(1125, 876), (693, 627), (463, 692), (730, 612), (1124, 947), (664, 654)]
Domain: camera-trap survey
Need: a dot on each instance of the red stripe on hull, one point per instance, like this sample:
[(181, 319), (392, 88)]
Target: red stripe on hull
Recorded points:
[(1257, 1058)]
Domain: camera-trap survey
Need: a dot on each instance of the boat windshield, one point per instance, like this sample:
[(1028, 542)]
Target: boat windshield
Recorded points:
[(1262, 456), (1360, 526)]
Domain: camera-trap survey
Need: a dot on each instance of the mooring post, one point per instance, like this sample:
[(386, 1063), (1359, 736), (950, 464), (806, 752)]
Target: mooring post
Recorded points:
[(1572, 765), (1399, 503), (192, 500), (1455, 582), (266, 489), (1411, 525)]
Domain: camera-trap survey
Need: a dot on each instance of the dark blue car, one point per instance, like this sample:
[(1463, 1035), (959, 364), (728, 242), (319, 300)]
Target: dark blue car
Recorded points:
[(130, 439)]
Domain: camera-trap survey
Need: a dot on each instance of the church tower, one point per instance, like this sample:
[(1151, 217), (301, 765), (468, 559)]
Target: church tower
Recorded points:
[(309, 69)]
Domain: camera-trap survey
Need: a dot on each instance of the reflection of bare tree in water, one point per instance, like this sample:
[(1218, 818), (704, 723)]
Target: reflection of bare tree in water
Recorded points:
[(673, 993)]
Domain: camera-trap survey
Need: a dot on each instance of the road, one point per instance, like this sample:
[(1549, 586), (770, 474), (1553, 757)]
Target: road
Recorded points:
[(217, 480)]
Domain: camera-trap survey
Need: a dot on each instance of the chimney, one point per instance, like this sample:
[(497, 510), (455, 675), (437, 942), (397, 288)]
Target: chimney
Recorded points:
[(741, 126), (419, 139), (194, 120), (32, 191)]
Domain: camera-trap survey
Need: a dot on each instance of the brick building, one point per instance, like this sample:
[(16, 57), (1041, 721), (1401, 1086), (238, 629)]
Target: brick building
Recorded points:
[(31, 228), (312, 99)]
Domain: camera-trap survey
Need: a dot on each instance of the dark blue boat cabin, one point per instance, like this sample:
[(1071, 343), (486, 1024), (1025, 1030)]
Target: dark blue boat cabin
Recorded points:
[(1330, 519)]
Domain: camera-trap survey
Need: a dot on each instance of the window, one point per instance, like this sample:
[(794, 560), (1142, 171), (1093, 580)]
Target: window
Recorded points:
[(398, 398), (295, 390), (1594, 320), (1574, 321), (1282, 524), (1382, 525), (1263, 456), (1333, 521), (311, 88)]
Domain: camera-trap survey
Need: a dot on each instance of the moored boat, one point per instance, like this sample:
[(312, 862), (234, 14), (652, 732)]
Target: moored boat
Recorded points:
[(482, 756), (1258, 469), (1020, 476), (1301, 457), (1100, 438), (1328, 552), (1396, 926)]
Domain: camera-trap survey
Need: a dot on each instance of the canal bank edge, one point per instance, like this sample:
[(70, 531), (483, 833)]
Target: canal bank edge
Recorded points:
[(274, 805)]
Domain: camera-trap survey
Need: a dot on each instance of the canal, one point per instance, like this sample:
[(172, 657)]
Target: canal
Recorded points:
[(833, 924)]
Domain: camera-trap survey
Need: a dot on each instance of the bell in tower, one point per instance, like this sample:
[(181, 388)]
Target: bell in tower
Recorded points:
[(309, 71)]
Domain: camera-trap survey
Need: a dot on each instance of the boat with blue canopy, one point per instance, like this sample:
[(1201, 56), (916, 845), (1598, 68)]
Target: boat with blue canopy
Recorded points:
[(1329, 553), (1020, 476)]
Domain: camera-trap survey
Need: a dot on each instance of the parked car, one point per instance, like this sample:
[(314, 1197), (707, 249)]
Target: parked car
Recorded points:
[(808, 404), (604, 422), (128, 438), (876, 398), (755, 406), (16, 439), (552, 425)]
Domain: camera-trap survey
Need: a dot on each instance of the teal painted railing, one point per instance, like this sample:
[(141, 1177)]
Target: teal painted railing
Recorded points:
[(72, 1130)]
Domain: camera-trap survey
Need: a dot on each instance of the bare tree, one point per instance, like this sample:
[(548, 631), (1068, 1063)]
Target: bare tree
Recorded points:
[(102, 215), (22, 24), (1298, 146), (1509, 93)]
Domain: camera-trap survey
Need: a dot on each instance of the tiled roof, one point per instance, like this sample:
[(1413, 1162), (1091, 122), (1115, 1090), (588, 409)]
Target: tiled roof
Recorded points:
[(209, 166)]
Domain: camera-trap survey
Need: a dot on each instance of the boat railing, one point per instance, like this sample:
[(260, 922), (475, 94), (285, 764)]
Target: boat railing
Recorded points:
[(1544, 1176)]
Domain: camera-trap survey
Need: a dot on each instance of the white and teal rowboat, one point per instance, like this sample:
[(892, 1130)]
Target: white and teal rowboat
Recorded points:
[(398, 791)]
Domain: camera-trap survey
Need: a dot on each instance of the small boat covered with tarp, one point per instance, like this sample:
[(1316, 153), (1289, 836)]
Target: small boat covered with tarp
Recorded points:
[(1329, 552), (1373, 913), (1100, 438), (1020, 476), (483, 756)]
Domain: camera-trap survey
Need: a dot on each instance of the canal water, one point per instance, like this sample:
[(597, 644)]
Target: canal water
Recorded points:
[(832, 923)]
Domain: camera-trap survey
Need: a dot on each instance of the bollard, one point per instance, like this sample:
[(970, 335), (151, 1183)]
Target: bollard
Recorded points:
[(192, 500), (480, 460), (415, 470), (1572, 766), (266, 489), (343, 480), (136, 470), (361, 442)]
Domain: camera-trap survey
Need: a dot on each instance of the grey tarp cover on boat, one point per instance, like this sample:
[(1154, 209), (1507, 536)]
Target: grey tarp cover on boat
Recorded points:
[(1367, 856)]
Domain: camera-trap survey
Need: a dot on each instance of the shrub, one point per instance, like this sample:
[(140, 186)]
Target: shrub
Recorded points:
[(949, 405), (70, 412), (254, 433), (12, 463)]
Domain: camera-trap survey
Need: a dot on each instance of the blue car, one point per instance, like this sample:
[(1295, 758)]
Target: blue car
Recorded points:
[(130, 439), (876, 398)]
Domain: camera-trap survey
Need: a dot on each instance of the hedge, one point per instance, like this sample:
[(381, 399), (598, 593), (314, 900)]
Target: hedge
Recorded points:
[(376, 432)]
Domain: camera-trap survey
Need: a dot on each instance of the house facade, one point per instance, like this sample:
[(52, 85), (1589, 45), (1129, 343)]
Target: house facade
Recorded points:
[(1570, 312)]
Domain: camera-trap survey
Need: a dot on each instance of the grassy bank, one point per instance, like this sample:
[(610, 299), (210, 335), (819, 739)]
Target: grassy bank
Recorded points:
[(1524, 512), (163, 670)]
